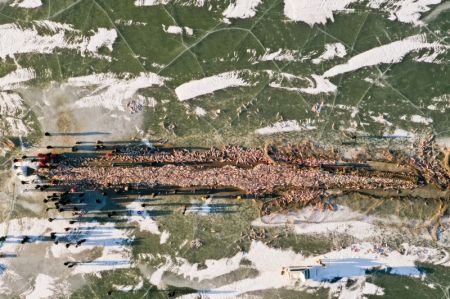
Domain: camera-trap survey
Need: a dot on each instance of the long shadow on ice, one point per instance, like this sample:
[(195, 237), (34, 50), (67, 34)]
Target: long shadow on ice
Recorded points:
[(89, 133)]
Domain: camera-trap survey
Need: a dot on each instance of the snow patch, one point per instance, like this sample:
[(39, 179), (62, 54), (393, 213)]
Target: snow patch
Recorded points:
[(440, 103), (381, 119), (431, 56), (405, 11), (310, 220), (199, 111), (285, 126), (43, 287), (111, 91), (278, 80), (129, 288), (150, 2), (400, 133), (207, 85), (314, 11), (172, 29), (341, 265), (112, 240), (371, 289), (13, 79), (129, 22), (198, 3), (10, 104), (389, 53), (316, 85), (351, 262), (29, 40), (213, 269), (138, 214), (12, 113), (357, 289), (320, 85), (421, 120), (241, 9), (280, 55), (102, 38), (188, 30), (156, 277), (331, 51), (27, 3), (164, 237), (374, 81)]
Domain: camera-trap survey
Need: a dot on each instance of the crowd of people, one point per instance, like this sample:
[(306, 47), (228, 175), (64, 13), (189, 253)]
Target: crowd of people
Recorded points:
[(229, 155), (262, 178), (302, 155), (293, 176), (429, 165)]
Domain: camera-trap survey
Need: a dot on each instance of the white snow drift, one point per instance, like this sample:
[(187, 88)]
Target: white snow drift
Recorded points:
[(110, 91), (27, 3), (43, 287), (389, 53), (285, 126), (241, 9), (393, 52), (196, 88), (11, 104), (320, 11), (141, 216), (30, 40), (421, 119), (150, 2), (198, 3), (172, 29), (12, 113), (319, 85), (314, 11), (280, 55), (112, 241), (351, 262), (199, 111), (331, 51), (15, 78), (315, 85), (406, 11), (311, 220)]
